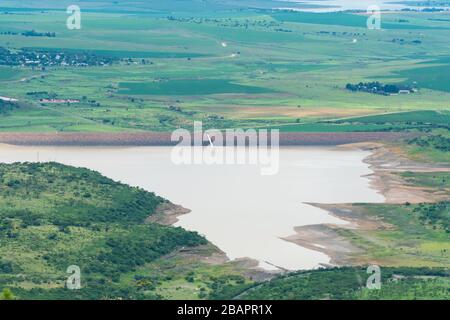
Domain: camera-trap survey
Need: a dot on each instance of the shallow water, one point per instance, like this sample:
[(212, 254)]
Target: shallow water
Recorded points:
[(341, 5), (241, 211)]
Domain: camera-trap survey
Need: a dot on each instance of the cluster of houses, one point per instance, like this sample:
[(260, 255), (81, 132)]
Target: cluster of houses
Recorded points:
[(379, 88), (59, 101), (44, 100), (7, 99), (37, 58)]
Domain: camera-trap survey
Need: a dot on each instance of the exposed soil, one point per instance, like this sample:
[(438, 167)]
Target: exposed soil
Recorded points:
[(325, 238), (387, 162), (167, 214), (163, 139)]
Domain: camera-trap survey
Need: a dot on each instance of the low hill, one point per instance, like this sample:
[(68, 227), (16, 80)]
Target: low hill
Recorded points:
[(53, 216)]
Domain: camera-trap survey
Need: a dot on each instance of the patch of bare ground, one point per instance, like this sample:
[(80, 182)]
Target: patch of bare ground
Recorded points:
[(387, 161), (164, 138), (212, 255), (167, 214), (208, 253), (240, 112), (327, 239)]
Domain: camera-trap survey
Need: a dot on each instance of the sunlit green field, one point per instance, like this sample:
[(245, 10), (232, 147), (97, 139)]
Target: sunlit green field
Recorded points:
[(252, 68)]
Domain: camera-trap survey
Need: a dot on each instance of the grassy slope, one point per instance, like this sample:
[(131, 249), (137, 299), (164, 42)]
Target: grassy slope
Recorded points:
[(418, 235), (53, 216), (349, 283), (434, 148)]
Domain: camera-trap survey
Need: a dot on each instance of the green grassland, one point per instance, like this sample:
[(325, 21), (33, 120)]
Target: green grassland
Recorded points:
[(226, 67), (431, 148), (425, 121), (436, 180), (413, 235)]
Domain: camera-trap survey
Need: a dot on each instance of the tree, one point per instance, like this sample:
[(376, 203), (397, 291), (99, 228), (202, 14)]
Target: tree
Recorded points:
[(7, 295)]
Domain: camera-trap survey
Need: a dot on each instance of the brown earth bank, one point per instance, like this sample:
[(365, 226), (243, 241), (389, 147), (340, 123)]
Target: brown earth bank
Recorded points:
[(387, 162), (164, 139), (326, 238), (167, 214)]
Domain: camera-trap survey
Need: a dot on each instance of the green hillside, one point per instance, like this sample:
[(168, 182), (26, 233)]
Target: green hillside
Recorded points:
[(350, 283), (53, 216)]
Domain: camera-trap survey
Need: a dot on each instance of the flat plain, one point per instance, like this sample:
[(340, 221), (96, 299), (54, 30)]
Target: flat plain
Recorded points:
[(236, 67)]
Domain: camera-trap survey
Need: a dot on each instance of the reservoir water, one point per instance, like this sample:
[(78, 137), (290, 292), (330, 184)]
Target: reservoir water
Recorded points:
[(241, 211), (342, 5)]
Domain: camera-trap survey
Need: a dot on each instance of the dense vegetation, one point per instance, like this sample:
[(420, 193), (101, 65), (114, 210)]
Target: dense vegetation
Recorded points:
[(438, 142), (33, 33), (49, 58), (435, 180), (53, 216), (435, 214), (379, 88), (7, 106), (432, 147), (350, 283)]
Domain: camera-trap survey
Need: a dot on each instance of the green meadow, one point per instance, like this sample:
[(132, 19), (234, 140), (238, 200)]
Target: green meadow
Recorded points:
[(187, 87)]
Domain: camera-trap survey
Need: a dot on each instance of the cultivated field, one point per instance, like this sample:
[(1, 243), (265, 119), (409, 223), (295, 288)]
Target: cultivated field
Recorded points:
[(228, 68)]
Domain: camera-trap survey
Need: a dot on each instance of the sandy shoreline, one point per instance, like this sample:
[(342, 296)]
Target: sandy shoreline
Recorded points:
[(385, 163), (167, 214)]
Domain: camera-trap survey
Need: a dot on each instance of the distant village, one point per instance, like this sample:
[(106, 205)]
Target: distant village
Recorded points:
[(30, 33), (46, 58), (379, 88)]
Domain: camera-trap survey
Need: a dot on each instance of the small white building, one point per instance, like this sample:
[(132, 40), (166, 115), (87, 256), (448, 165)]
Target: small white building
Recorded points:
[(8, 99)]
